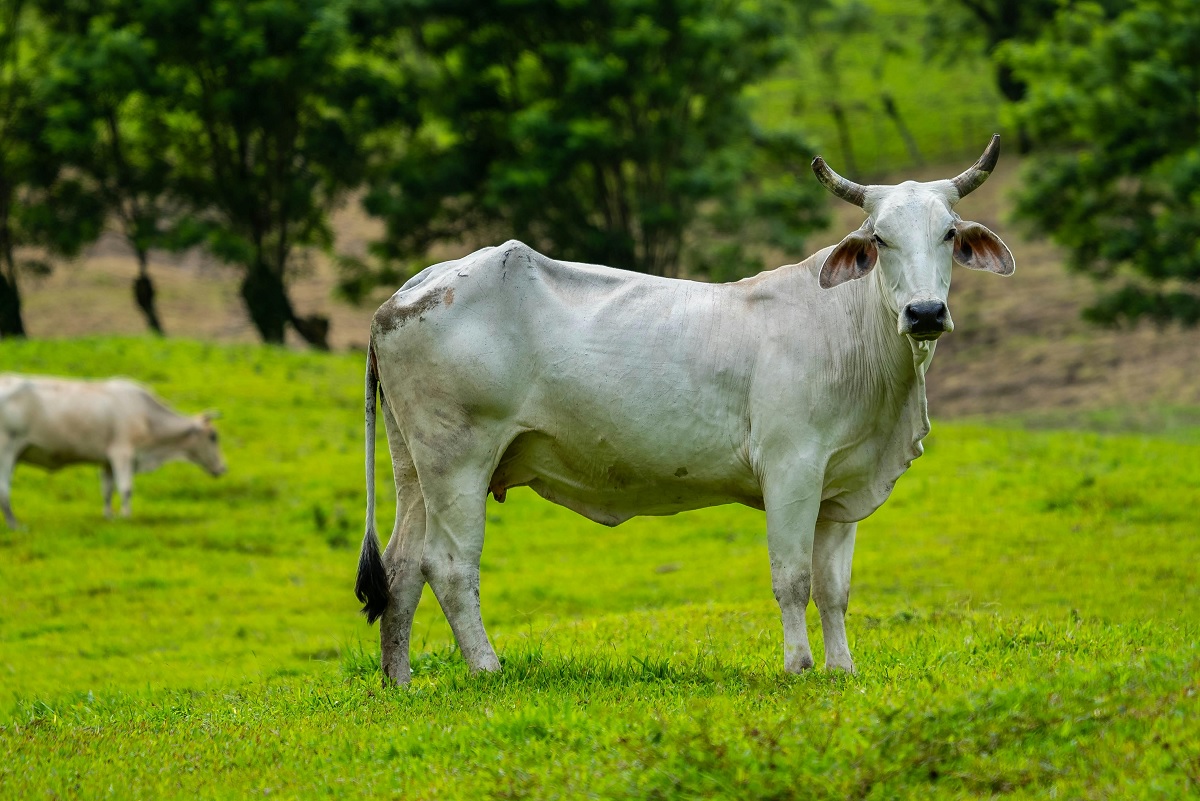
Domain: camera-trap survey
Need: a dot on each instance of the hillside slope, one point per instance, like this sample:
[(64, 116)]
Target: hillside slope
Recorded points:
[(1019, 347)]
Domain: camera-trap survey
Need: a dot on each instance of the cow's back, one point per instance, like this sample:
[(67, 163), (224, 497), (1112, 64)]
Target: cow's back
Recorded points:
[(64, 421), (506, 323)]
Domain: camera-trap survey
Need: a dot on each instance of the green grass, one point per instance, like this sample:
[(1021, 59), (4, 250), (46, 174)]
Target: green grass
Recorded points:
[(1024, 618)]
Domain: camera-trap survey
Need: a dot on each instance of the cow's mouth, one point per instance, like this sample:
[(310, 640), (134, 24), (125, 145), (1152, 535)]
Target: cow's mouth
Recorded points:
[(926, 336)]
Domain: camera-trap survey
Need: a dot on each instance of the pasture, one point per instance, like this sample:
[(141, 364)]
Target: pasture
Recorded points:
[(1024, 615)]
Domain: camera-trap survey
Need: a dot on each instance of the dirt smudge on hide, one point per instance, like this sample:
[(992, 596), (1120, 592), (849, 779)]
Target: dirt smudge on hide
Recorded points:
[(395, 313), (619, 475)]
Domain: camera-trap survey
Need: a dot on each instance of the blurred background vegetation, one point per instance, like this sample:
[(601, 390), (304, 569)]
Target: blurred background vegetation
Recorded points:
[(274, 140)]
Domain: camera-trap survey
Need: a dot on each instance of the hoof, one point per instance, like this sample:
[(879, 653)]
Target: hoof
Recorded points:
[(399, 680), (396, 672), (799, 664), (488, 664)]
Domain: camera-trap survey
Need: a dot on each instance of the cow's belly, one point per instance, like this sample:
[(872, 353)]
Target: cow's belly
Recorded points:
[(53, 459), (610, 485)]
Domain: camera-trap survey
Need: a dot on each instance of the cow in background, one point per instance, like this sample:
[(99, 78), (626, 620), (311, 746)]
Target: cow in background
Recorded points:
[(117, 424)]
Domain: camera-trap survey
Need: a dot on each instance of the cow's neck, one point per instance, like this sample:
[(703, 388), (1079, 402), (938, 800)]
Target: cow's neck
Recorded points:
[(894, 369), (167, 432), (888, 373)]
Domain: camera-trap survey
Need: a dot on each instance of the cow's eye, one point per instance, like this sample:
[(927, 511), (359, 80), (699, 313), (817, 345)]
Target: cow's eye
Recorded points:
[(949, 235), (879, 241), (212, 435)]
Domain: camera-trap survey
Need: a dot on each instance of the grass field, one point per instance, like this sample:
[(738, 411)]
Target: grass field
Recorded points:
[(1024, 619)]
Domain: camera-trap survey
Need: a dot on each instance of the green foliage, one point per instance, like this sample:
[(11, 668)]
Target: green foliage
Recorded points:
[(1000, 22), (242, 124), (1023, 619), (873, 96), (40, 202), (270, 107), (614, 132), (106, 105), (1114, 105)]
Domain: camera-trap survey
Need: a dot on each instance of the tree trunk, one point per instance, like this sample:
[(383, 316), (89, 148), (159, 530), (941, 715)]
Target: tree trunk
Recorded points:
[(271, 310), (1014, 90), (314, 329), (889, 108), (143, 294), (267, 302), (11, 324), (844, 139)]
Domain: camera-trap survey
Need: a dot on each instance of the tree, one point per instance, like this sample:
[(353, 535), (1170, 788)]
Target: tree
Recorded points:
[(270, 109), (40, 203), (17, 121), (614, 132), (107, 112), (1113, 102), (1000, 22)]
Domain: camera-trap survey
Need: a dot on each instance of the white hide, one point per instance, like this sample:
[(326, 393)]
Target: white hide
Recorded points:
[(617, 394), (118, 424)]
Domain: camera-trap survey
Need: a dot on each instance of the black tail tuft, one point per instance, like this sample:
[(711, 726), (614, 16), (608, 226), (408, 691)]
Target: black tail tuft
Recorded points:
[(371, 587)]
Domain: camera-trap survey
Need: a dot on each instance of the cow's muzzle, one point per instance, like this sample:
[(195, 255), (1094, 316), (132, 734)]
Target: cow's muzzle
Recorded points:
[(925, 319)]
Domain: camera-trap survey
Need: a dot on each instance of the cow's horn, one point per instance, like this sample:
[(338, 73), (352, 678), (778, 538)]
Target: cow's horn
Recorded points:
[(974, 177), (846, 190)]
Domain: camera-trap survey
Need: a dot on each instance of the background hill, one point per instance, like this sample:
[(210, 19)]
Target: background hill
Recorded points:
[(1019, 346)]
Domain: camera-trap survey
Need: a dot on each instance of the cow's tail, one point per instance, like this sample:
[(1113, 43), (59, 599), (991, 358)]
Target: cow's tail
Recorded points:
[(371, 587)]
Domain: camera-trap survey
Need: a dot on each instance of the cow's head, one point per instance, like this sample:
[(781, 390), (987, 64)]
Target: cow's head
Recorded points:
[(913, 235), (200, 444)]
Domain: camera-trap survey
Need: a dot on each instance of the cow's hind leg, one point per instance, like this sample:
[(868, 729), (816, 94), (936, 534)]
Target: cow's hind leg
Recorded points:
[(455, 506), (402, 559), (833, 551), (106, 488)]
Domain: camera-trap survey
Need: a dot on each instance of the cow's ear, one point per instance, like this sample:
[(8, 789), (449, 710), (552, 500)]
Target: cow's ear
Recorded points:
[(977, 248), (853, 258), (208, 415)]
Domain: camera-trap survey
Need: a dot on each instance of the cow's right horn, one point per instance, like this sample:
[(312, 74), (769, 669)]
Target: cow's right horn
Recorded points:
[(846, 190)]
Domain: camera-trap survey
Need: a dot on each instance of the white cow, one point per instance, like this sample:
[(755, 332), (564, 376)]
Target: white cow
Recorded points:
[(799, 391), (118, 424)]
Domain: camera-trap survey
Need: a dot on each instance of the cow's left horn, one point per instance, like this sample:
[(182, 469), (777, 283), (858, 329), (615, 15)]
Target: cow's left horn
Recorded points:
[(846, 190), (974, 177)]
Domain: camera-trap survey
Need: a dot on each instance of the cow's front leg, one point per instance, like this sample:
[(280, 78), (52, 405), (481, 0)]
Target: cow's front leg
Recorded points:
[(121, 463), (833, 551), (8, 462), (791, 516), (106, 489)]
